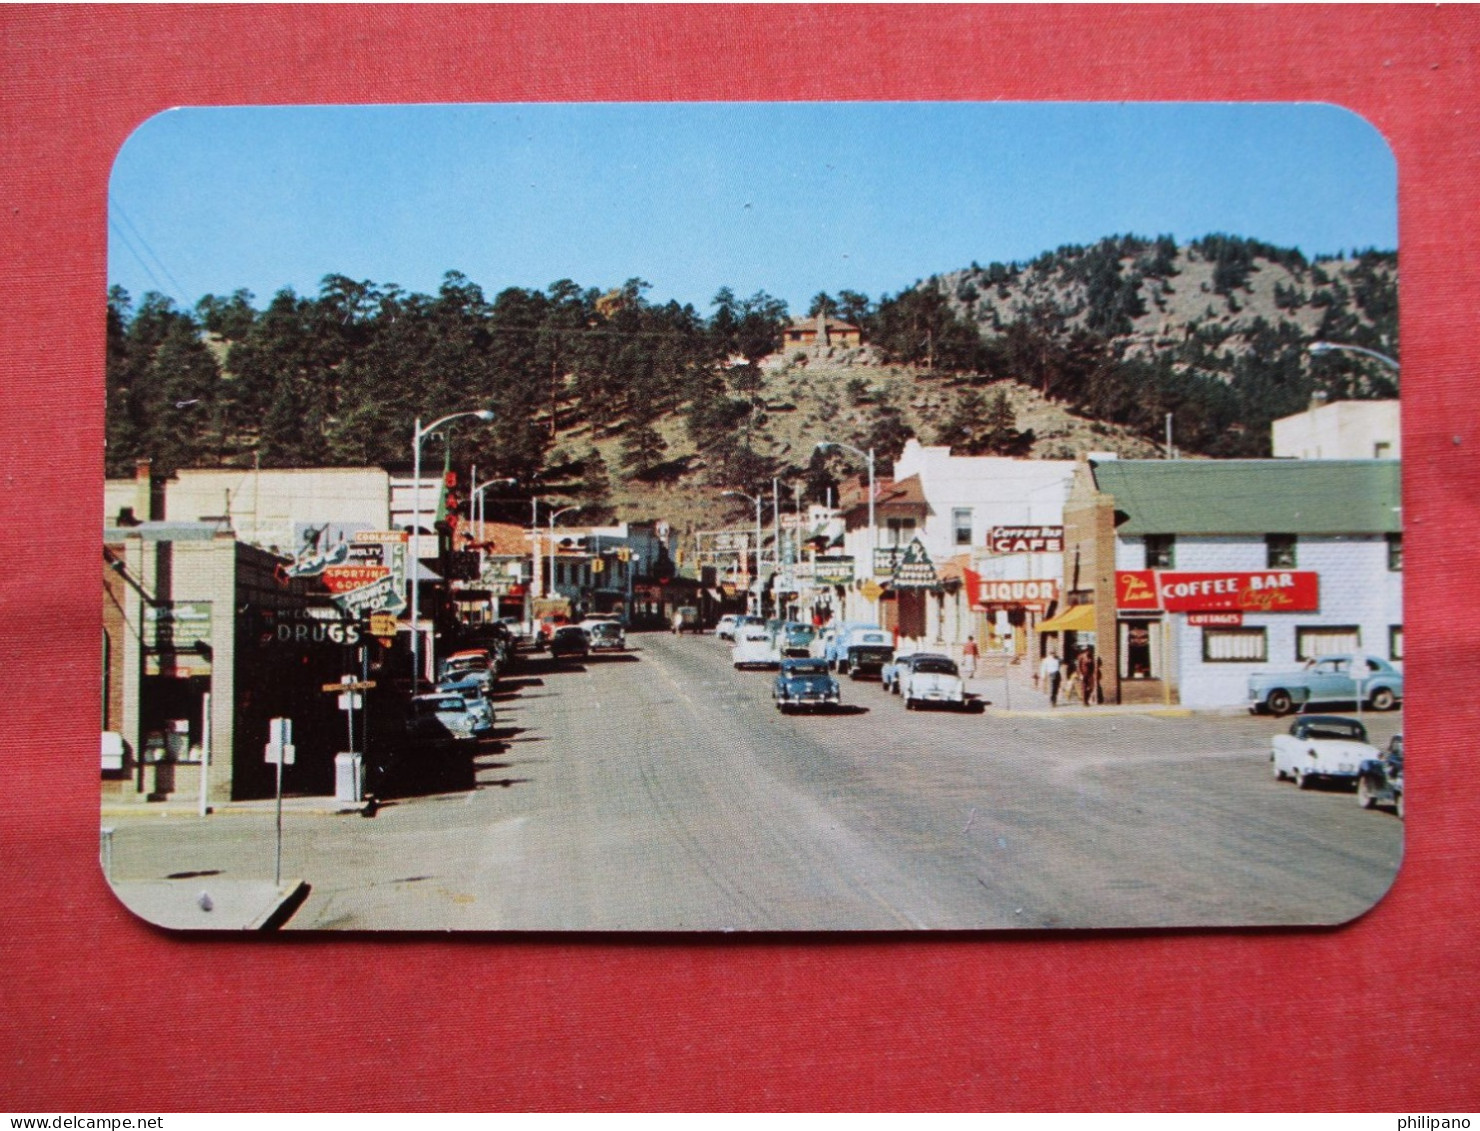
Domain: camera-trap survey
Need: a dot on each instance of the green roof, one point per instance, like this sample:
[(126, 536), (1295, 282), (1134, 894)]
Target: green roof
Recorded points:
[(1253, 496)]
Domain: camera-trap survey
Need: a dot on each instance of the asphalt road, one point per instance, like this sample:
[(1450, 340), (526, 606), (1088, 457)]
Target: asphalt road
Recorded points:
[(661, 791)]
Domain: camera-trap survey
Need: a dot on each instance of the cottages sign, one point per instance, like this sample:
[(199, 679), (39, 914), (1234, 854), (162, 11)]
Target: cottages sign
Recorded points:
[(1271, 591)]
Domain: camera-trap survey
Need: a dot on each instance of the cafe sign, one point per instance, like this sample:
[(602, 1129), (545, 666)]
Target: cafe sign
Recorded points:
[(1026, 540), (1178, 591)]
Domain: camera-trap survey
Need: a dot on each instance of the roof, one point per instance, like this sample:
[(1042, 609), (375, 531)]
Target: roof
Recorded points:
[(1253, 496), (906, 496)]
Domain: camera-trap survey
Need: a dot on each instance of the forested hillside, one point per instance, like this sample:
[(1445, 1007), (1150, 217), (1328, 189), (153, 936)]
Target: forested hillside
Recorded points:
[(610, 398)]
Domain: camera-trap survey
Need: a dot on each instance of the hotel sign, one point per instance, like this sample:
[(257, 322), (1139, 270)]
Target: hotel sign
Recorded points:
[(1175, 591), (837, 570), (1026, 540)]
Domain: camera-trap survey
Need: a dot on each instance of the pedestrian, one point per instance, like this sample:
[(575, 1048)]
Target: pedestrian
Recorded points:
[(1099, 680), (969, 653), (1084, 667), (1048, 671)]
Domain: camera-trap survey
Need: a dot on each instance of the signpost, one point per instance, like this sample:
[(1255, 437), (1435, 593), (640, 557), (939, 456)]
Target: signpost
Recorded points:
[(349, 766), (279, 751)]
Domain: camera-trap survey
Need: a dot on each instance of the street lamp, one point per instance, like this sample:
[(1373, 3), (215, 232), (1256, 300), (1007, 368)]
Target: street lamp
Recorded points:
[(756, 581), (1319, 348), (417, 436), (475, 500), (553, 516), (873, 530)]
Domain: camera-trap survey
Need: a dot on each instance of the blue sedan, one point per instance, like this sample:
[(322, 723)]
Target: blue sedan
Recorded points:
[(805, 683)]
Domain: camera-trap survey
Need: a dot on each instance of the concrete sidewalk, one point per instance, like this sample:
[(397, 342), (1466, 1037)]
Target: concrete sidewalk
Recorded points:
[(210, 903)]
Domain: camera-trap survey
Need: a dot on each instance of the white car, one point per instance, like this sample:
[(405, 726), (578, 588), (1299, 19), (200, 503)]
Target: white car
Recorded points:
[(1321, 748), (725, 629), (931, 679), (754, 648)]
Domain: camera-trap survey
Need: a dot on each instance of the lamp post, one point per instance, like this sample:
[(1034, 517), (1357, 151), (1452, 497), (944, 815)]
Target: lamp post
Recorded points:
[(417, 436), (873, 530), (756, 580), (553, 516), (1319, 348), (475, 499)]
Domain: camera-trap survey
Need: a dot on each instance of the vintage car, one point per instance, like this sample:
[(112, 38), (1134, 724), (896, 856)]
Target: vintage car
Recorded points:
[(725, 627), (1330, 679), (865, 653), (794, 640), (1320, 748), (754, 648), (472, 693), (1380, 780), (805, 683), (471, 663), (437, 717), (570, 642), (605, 635), (890, 673), (837, 644), (931, 678)]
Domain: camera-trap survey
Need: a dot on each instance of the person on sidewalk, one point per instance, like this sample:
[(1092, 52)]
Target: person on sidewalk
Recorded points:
[(969, 653), (1048, 672), (1084, 668)]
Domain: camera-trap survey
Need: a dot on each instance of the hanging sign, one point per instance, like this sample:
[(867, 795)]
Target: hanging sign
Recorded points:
[(915, 569), (1026, 540), (1026, 593)]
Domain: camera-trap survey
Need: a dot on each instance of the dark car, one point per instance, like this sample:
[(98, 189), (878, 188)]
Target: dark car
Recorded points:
[(805, 684), (1380, 780), (570, 642), (866, 653)]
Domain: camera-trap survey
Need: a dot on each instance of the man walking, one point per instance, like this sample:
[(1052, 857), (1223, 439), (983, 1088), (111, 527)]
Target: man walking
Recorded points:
[(1048, 672), (1084, 667), (969, 653)]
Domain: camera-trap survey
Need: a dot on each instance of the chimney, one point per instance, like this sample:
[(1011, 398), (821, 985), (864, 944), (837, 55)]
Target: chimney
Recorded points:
[(144, 489), (1318, 399)]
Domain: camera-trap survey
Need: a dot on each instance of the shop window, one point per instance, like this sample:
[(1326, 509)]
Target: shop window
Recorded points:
[(901, 531), (1311, 642), (1235, 645), (1395, 642), (1140, 649), (961, 525), (1279, 551), (1161, 551), (1395, 553)]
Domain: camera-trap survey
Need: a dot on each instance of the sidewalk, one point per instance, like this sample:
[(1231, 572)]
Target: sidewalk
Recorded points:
[(1008, 691), (210, 903)]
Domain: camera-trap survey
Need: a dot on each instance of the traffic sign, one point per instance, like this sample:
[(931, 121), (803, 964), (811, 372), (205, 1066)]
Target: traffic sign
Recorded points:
[(350, 685), (383, 624)]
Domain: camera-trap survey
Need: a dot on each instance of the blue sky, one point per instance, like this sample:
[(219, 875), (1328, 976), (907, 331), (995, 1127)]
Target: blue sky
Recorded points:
[(790, 198)]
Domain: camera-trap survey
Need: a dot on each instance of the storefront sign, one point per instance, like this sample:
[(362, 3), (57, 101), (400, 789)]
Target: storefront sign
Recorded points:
[(1031, 593), (1272, 591), (833, 570), (1026, 540), (178, 626), (373, 576), (1215, 620), (915, 569), (885, 560)]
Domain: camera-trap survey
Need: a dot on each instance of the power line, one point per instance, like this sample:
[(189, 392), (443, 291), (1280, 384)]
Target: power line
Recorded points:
[(115, 207)]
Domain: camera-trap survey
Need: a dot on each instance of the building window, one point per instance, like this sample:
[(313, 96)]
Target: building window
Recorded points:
[(1395, 642), (1140, 649), (1235, 645), (1395, 553), (961, 525), (1311, 643), (1279, 551), (901, 531), (1161, 551)]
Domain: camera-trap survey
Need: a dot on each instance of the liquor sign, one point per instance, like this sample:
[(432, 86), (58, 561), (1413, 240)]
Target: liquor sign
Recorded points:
[(1026, 540), (833, 570), (1271, 591), (915, 569), (1027, 593)]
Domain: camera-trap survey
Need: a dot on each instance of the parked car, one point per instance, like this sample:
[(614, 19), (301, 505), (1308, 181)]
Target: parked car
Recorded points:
[(754, 648), (866, 653), (1380, 779), (725, 628), (605, 635), (570, 642), (837, 647), (805, 683), (932, 679), (438, 718), (1320, 748), (470, 663), (472, 693), (890, 673), (794, 640), (1329, 679)]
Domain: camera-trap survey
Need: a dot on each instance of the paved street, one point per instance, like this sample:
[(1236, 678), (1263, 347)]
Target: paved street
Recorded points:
[(660, 790)]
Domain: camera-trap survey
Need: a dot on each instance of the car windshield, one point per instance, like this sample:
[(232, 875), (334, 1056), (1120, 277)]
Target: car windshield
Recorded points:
[(936, 666), (440, 704), (873, 638), (817, 667), (1349, 731)]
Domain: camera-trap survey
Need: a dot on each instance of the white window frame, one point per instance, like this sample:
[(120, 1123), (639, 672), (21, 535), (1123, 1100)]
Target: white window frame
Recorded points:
[(1244, 645), (1317, 641)]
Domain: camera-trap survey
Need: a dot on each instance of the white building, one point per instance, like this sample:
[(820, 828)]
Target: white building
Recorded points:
[(1340, 430)]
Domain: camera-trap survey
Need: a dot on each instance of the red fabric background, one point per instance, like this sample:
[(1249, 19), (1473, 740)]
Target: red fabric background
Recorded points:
[(100, 1012)]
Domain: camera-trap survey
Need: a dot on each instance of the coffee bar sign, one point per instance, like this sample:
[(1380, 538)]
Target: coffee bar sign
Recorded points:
[(1175, 591)]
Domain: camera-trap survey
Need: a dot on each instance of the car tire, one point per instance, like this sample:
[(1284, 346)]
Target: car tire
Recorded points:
[(909, 703), (1274, 767), (1303, 780), (1383, 699), (1279, 702), (1364, 795)]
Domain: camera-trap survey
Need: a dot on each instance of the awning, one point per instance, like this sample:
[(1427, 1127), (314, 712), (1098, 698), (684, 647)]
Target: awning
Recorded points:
[(1076, 618)]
